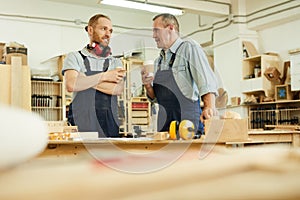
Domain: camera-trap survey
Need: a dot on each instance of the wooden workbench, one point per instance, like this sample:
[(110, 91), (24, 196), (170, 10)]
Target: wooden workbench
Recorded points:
[(264, 172), (291, 137), (76, 147)]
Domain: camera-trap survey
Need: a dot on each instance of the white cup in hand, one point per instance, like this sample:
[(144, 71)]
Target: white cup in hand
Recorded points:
[(148, 67)]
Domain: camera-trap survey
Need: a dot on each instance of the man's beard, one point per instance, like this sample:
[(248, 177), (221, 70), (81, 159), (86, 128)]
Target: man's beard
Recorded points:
[(98, 40), (100, 47)]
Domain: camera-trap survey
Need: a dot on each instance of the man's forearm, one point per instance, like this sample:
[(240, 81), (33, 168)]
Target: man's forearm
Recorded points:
[(209, 109), (209, 100), (110, 88), (150, 91), (77, 82)]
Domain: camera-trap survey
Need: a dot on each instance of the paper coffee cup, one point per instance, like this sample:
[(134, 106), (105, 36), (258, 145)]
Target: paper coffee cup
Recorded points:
[(148, 67)]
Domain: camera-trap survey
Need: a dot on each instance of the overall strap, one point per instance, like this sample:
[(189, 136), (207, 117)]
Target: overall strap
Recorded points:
[(85, 61), (172, 57)]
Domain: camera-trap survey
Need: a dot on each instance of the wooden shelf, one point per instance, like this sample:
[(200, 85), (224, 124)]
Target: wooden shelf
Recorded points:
[(47, 99), (252, 82), (274, 102), (262, 115), (136, 109)]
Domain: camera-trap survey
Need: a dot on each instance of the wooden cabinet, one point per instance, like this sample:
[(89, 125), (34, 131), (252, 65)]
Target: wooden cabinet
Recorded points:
[(47, 99), (268, 115), (253, 74), (48, 95)]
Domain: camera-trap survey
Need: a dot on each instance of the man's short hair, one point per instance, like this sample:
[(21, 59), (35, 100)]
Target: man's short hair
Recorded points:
[(93, 20), (168, 19)]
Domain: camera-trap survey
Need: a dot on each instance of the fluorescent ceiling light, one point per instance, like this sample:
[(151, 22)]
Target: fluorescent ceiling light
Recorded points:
[(143, 6)]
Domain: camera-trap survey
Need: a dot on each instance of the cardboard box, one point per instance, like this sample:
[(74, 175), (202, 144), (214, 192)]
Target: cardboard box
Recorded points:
[(226, 130), (15, 51)]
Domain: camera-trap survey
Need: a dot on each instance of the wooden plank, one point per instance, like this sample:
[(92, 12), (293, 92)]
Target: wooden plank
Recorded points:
[(271, 136), (1, 50), (16, 81), (26, 88), (5, 97), (265, 132), (60, 62), (284, 127), (226, 130), (294, 51), (274, 138), (20, 87)]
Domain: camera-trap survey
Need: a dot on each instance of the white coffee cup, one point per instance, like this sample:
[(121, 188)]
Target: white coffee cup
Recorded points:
[(148, 67)]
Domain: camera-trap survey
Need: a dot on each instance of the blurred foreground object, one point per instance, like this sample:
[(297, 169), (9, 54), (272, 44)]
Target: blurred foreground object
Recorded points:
[(23, 135)]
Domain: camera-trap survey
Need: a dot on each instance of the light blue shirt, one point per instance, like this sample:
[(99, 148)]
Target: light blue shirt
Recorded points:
[(191, 69), (74, 61)]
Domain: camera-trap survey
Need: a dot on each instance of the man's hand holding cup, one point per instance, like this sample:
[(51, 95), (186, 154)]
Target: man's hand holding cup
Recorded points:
[(147, 71)]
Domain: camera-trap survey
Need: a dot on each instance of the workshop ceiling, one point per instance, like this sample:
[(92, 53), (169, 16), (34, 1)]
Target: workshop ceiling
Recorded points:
[(216, 8)]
